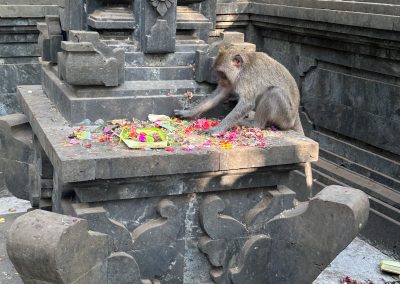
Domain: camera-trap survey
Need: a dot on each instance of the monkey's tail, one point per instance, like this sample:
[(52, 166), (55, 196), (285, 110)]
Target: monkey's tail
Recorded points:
[(297, 125), (307, 166)]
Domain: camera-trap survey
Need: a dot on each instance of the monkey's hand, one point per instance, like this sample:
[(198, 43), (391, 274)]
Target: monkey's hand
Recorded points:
[(184, 113), (216, 131)]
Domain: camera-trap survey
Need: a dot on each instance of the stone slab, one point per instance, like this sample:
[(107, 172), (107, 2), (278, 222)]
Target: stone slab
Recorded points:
[(178, 184), (169, 59), (79, 103), (159, 73), (27, 11), (359, 14), (75, 164)]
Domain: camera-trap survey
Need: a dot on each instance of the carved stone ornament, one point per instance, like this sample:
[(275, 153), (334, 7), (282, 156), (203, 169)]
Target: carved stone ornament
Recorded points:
[(162, 6)]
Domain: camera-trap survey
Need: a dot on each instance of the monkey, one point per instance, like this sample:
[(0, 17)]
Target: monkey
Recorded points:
[(266, 90)]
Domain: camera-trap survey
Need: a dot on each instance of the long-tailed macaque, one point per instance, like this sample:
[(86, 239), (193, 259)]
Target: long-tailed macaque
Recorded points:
[(265, 88)]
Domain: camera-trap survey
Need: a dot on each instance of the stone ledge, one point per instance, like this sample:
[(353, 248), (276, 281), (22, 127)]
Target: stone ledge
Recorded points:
[(27, 11), (328, 12), (103, 162)]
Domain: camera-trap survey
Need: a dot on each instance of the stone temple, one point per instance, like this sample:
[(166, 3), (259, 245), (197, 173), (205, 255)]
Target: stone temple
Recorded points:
[(248, 215)]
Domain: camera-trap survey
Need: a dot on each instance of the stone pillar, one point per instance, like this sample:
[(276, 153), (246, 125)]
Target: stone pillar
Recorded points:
[(157, 25)]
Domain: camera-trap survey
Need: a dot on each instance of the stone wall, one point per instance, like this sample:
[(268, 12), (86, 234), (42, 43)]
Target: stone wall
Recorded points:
[(345, 58), (18, 46)]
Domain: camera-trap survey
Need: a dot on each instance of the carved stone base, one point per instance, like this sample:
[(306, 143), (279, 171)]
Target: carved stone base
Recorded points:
[(245, 236)]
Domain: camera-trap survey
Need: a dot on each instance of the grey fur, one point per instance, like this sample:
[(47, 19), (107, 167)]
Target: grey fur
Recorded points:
[(263, 85)]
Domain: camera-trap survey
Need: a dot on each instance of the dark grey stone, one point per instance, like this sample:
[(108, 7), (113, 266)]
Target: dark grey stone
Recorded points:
[(69, 253), (50, 38), (270, 206), (183, 183), (122, 269), (99, 222), (159, 73), (252, 261), (118, 18), (86, 60), (307, 238), (285, 148), (157, 25), (217, 225), (162, 231), (158, 237), (160, 38), (73, 15), (16, 154)]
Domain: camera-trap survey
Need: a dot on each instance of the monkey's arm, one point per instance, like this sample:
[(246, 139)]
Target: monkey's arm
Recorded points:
[(220, 94), (239, 111)]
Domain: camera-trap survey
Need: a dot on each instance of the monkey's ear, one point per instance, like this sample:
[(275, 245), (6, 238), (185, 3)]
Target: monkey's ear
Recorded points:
[(237, 61)]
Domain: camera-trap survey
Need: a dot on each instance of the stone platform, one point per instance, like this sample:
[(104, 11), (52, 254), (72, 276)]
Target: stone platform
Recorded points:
[(80, 164), (207, 216)]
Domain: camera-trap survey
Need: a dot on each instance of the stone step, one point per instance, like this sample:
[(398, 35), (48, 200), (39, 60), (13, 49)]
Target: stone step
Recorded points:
[(112, 18), (188, 47), (383, 226), (131, 99), (181, 45), (188, 19), (169, 59), (376, 165), (127, 46), (362, 170), (159, 73), (342, 175)]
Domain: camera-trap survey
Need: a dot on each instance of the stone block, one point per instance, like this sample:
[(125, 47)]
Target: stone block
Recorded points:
[(73, 15), (85, 60), (307, 238), (50, 38), (50, 248), (99, 222), (157, 25), (16, 154), (110, 18)]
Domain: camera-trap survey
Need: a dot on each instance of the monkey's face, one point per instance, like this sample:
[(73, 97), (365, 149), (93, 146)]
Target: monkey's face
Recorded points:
[(228, 65)]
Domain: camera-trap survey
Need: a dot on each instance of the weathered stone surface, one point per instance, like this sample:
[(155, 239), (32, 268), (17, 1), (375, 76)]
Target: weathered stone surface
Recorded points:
[(158, 237), (157, 25), (354, 107), (284, 148), (49, 248), (122, 269), (306, 239), (119, 18), (73, 15), (16, 155), (276, 202), (217, 225), (86, 60), (183, 184), (99, 222), (50, 38), (252, 260)]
